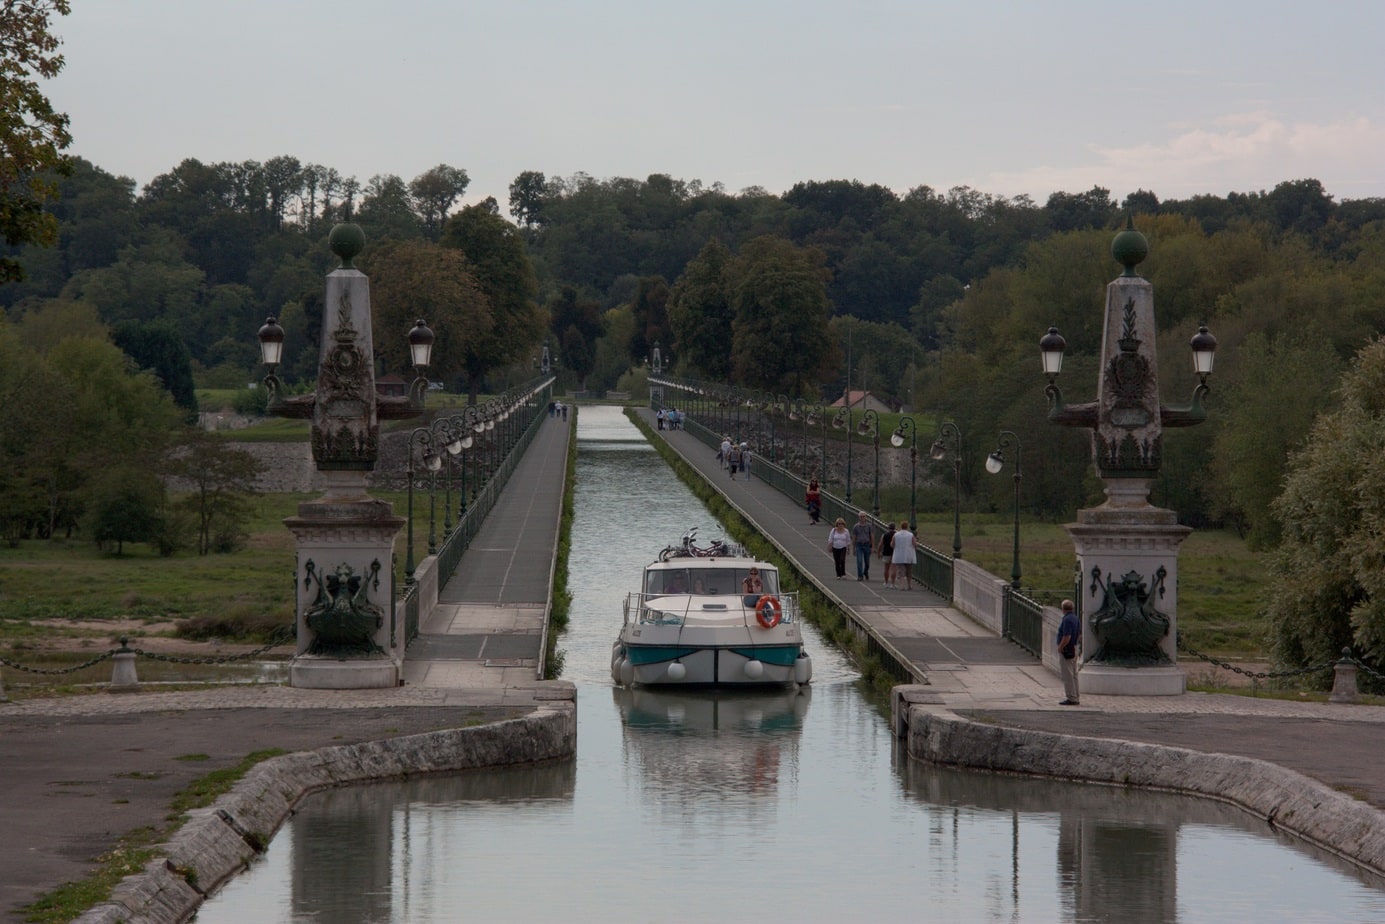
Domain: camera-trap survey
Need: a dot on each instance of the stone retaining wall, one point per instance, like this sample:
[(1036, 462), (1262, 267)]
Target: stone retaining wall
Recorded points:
[(1289, 801), (219, 842)]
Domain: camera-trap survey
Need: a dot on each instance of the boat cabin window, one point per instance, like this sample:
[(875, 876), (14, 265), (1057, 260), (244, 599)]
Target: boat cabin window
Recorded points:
[(706, 581), (672, 581)]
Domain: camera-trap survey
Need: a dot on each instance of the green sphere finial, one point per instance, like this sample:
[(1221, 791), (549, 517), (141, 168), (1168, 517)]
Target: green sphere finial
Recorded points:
[(1130, 247), (346, 240)]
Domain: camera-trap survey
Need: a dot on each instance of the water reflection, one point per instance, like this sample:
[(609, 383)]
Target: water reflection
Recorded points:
[(1143, 854), (691, 747), (354, 852)]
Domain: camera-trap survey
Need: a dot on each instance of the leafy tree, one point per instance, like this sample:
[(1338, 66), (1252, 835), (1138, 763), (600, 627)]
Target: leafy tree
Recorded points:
[(1140, 202), (123, 506), (32, 134), (527, 194), (612, 353), (418, 279), (220, 478), (500, 263), (1264, 414), (1076, 211), (650, 308), (1328, 579), (779, 336), (700, 313), (1300, 205), (30, 405), (48, 323), (881, 355), (158, 347), (434, 192), (282, 180), (108, 411), (578, 324), (387, 210)]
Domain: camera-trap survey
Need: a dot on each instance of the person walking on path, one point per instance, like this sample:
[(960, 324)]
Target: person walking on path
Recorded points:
[(904, 555), (659, 418), (1069, 638), (838, 540), (887, 553), (813, 501), (733, 460), (863, 538), (724, 453)]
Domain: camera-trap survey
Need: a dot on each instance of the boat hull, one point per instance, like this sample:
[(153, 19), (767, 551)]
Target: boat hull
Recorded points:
[(724, 666)]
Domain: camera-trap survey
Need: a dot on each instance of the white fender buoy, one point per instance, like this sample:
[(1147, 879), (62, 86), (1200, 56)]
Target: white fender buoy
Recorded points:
[(754, 669), (677, 670), (803, 668), (627, 671)]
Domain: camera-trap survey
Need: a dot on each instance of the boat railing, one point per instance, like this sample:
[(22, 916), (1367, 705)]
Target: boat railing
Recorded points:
[(637, 607)]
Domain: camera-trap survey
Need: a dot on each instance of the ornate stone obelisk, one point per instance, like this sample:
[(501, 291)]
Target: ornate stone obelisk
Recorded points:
[(1127, 549), (347, 635)]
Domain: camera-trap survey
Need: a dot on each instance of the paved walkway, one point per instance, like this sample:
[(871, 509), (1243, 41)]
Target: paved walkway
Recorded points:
[(79, 772), (487, 629), (972, 672)]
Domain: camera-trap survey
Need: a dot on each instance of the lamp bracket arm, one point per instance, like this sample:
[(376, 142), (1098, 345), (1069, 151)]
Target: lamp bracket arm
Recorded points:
[(1185, 415), (398, 407), (1074, 415), (296, 407)]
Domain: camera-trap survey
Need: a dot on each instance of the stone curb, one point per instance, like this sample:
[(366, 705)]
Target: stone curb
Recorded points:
[(218, 842), (1288, 801)]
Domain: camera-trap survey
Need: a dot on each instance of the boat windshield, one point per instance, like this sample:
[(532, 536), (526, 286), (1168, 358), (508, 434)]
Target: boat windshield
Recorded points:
[(708, 581)]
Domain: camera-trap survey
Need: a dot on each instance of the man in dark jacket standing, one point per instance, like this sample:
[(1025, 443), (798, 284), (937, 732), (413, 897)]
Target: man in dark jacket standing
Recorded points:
[(1069, 640)]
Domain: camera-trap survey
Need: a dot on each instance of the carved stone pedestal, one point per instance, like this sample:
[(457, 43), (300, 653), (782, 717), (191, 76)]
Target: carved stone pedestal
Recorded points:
[(1128, 554), (347, 639)]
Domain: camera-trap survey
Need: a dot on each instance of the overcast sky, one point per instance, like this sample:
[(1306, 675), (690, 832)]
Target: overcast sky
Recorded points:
[(1015, 97)]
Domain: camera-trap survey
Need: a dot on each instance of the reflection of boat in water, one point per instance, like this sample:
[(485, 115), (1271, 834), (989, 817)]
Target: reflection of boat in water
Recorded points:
[(712, 616), (711, 743)]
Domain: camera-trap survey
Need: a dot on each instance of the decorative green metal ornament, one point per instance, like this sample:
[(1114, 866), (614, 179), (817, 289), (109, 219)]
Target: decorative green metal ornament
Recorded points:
[(346, 240), (1130, 247)]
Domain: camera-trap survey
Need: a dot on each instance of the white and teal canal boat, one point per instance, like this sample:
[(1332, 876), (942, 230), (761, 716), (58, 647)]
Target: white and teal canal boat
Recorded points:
[(711, 616)]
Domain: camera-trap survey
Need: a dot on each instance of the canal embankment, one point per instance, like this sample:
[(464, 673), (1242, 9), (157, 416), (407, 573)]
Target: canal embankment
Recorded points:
[(220, 841), (1349, 824)]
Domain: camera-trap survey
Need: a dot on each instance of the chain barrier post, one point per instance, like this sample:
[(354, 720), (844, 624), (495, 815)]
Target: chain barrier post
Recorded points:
[(123, 675), (1344, 680)]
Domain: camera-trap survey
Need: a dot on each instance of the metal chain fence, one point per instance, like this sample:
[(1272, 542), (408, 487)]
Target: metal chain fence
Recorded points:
[(1347, 657), (281, 636)]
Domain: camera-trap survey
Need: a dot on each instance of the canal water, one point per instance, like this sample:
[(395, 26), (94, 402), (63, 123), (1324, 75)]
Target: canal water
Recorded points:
[(768, 806)]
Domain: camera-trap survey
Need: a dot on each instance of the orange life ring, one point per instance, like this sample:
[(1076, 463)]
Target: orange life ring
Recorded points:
[(768, 611)]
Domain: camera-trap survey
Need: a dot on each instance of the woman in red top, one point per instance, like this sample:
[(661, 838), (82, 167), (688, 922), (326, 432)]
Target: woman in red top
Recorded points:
[(813, 499)]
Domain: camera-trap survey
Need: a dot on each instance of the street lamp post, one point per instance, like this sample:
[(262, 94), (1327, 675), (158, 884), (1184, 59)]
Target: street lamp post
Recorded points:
[(769, 409), (461, 438), (897, 440), (870, 426), (423, 437), (994, 463), (840, 420), (948, 431), (449, 444), (818, 417)]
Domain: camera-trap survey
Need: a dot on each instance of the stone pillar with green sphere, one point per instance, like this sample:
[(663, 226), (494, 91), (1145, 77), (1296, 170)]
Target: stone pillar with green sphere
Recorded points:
[(1127, 549), (348, 637)]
